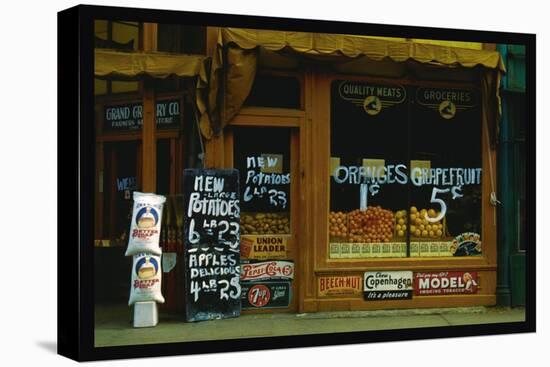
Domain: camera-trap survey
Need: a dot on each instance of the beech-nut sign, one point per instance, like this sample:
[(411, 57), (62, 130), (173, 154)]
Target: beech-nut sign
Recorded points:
[(371, 97), (267, 270)]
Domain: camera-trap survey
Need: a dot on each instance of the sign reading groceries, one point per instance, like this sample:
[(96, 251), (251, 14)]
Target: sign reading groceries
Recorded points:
[(386, 285), (445, 282)]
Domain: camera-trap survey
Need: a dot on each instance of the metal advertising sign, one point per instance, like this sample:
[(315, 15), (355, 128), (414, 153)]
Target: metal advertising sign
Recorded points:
[(339, 285), (445, 282), (267, 270), (265, 295), (387, 285)]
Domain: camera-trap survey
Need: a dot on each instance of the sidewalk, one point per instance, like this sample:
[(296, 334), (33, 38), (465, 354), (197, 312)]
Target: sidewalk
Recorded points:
[(114, 326)]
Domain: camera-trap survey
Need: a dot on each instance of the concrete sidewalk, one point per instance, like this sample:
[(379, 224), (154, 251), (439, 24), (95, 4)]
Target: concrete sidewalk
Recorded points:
[(114, 326)]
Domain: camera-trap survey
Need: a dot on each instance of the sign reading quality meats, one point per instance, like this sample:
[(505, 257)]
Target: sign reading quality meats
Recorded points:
[(384, 285)]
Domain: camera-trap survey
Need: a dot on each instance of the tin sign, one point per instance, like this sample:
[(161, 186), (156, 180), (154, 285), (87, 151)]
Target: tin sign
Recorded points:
[(339, 285), (265, 295), (445, 282), (387, 285), (267, 270)]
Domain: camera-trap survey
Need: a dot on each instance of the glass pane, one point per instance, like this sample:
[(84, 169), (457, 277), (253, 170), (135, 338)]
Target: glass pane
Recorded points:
[(100, 86), (120, 181), (125, 33), (124, 87), (163, 166), (262, 156), (368, 170), (101, 29), (446, 173), (274, 91)]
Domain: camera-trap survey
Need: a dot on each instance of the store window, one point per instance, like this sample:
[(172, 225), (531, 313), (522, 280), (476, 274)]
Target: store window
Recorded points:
[(405, 171), (119, 35), (122, 176)]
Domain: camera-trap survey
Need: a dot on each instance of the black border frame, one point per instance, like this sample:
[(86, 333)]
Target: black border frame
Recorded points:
[(76, 143)]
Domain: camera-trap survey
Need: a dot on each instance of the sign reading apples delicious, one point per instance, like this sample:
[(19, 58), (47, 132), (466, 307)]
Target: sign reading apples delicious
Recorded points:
[(212, 253)]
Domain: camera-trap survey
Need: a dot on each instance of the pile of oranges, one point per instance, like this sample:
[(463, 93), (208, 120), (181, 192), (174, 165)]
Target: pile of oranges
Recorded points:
[(372, 225), (419, 225), (337, 225)]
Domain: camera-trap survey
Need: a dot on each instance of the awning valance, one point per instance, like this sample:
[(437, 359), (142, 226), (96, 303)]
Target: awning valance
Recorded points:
[(355, 46), (236, 58), (122, 65)]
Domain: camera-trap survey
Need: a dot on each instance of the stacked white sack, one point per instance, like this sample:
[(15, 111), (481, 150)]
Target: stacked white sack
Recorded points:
[(145, 226)]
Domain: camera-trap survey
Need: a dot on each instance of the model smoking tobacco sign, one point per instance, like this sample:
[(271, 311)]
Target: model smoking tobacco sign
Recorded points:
[(445, 282), (212, 253), (371, 97)]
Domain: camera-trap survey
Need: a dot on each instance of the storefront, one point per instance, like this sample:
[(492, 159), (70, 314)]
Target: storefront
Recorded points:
[(379, 153), (367, 163)]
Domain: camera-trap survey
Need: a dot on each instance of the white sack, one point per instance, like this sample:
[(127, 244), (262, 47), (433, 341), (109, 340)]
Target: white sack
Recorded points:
[(145, 226), (146, 279)]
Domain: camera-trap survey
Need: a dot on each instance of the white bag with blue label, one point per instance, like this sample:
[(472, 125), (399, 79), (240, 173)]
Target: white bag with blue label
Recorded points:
[(145, 226)]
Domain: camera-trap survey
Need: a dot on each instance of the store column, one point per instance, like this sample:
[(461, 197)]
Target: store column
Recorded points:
[(149, 150)]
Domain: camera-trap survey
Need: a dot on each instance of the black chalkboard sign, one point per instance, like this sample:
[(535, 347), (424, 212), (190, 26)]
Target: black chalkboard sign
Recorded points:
[(212, 244)]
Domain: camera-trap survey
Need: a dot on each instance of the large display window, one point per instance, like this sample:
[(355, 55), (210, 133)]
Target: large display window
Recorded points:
[(405, 170)]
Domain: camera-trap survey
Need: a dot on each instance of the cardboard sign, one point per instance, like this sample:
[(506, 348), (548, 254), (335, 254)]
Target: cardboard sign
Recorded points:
[(263, 247), (267, 270), (386, 285), (339, 285), (265, 295), (445, 282), (211, 244)]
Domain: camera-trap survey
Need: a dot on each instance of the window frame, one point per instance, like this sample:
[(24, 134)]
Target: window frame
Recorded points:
[(322, 99)]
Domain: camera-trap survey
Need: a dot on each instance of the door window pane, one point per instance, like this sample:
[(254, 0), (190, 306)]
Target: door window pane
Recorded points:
[(262, 156)]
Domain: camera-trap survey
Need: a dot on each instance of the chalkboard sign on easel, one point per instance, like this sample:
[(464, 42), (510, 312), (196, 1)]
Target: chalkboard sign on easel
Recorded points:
[(212, 244)]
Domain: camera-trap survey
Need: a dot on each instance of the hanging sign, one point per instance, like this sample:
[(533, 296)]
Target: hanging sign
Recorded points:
[(385, 285), (130, 116), (447, 102), (211, 236), (266, 295), (372, 98), (445, 282)]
